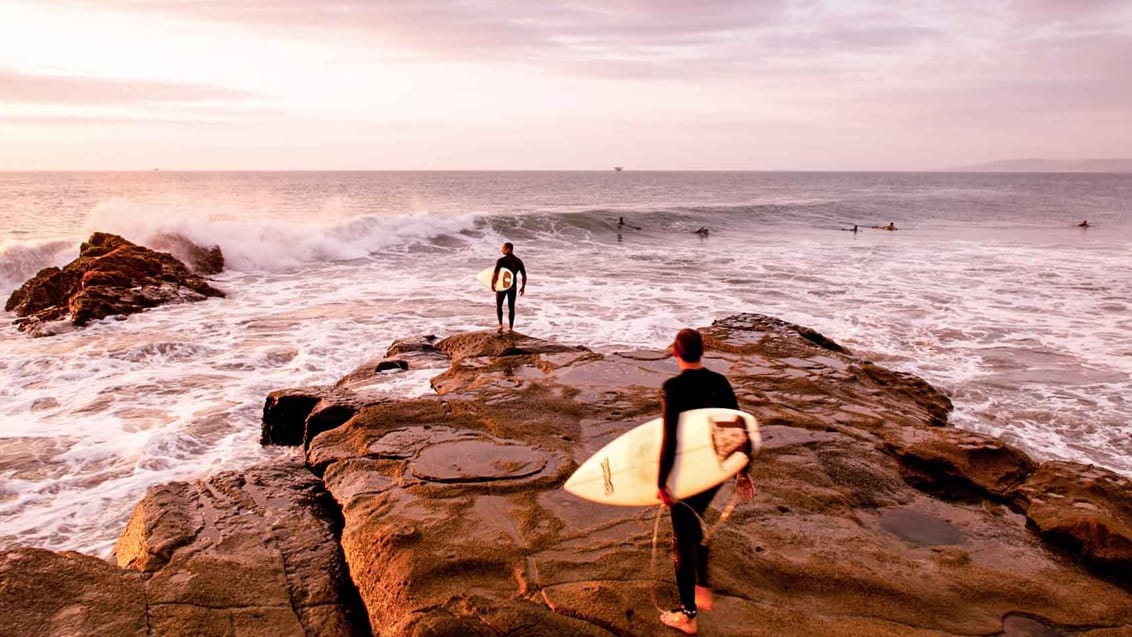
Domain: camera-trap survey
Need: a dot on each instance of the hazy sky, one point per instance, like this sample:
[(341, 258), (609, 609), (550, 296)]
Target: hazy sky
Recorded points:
[(526, 84)]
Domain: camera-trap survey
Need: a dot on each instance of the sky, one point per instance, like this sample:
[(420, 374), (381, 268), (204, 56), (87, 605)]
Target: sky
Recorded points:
[(580, 85)]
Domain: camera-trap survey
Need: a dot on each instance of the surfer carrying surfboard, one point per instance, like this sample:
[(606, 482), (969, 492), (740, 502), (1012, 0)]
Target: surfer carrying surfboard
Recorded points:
[(694, 388), (515, 265)]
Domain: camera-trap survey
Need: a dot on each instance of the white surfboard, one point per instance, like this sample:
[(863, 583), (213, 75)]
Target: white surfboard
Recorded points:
[(710, 450), (504, 282)]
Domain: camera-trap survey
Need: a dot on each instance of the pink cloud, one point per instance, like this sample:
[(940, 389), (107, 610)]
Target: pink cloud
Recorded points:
[(45, 89)]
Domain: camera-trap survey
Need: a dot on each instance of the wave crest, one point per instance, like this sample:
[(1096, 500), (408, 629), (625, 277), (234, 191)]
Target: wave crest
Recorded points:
[(21, 260)]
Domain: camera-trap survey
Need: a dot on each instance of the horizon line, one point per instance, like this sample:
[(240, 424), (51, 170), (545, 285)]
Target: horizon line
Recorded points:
[(555, 170)]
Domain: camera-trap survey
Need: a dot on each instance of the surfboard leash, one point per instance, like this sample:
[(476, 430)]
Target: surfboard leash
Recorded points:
[(652, 560), (705, 530)]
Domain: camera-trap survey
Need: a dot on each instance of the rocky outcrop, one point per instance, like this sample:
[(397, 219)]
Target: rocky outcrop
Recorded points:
[(110, 277), (201, 260), (255, 550), (251, 553), (958, 464), (873, 517), (46, 594), (1087, 510)]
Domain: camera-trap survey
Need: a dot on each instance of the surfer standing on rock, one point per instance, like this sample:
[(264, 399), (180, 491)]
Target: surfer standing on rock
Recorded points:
[(515, 265), (694, 388)]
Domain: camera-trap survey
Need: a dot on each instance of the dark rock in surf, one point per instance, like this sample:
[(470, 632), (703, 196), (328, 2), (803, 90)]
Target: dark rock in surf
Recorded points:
[(201, 260), (292, 417), (285, 413), (110, 277), (403, 355)]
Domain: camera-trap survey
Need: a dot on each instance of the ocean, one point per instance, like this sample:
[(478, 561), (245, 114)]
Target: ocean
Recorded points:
[(987, 289)]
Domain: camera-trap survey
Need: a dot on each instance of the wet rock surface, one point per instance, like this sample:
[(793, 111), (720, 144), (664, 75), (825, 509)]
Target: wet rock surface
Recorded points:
[(250, 553), (45, 594), (202, 260), (872, 517), (111, 277), (1086, 510), (838, 540)]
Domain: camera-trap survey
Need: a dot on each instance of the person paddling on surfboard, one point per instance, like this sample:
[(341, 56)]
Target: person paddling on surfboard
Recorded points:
[(695, 387), (515, 265)]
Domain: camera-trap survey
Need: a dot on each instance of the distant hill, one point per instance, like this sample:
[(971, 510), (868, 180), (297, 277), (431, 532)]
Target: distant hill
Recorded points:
[(1050, 166)]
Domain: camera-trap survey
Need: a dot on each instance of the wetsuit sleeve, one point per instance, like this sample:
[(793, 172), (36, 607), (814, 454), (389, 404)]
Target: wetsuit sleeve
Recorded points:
[(727, 394), (668, 439)]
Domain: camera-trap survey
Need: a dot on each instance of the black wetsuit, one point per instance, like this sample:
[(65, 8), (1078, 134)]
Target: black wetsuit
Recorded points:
[(515, 265), (692, 389)]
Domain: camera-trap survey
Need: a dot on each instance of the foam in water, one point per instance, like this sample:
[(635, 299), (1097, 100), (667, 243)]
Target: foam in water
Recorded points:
[(21, 260), (270, 244)]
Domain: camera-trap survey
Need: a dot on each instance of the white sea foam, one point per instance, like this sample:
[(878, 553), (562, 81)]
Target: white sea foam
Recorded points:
[(21, 260), (269, 243)]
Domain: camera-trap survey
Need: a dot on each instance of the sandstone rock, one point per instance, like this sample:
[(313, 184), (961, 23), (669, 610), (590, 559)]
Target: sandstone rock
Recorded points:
[(334, 409), (285, 413), (252, 552), (454, 522), (46, 594), (492, 343), (111, 277), (201, 260), (163, 522), (953, 463), (403, 354), (294, 416), (1086, 509), (761, 324), (41, 291)]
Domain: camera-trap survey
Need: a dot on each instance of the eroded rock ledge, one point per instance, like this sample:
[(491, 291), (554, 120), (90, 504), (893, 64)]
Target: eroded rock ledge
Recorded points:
[(241, 553), (873, 517)]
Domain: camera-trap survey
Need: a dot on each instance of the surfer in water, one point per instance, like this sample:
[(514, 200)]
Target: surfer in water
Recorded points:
[(695, 387), (515, 265)]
